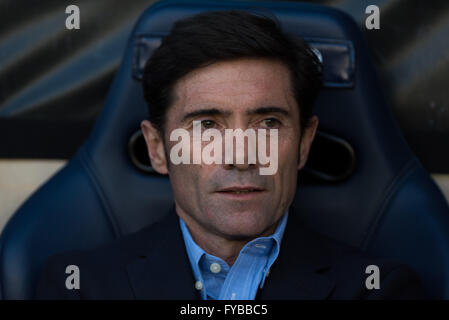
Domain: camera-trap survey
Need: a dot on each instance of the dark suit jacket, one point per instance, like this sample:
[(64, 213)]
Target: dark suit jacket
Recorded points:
[(153, 264)]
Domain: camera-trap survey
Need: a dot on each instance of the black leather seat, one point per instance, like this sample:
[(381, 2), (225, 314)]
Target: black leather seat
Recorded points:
[(380, 199)]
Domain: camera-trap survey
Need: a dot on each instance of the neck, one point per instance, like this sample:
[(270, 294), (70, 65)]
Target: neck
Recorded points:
[(226, 248)]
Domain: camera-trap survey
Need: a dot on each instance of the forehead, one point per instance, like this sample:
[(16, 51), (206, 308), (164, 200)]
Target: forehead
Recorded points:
[(236, 85)]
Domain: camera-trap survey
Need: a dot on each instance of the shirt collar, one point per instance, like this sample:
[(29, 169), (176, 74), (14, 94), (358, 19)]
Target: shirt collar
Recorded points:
[(195, 252)]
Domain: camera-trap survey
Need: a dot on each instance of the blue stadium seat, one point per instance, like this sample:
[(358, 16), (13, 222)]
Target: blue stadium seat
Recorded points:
[(382, 201)]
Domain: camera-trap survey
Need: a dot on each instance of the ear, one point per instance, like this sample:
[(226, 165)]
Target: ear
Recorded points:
[(306, 141), (155, 146)]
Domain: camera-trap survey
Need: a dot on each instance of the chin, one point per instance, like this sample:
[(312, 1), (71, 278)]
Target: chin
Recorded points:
[(243, 230)]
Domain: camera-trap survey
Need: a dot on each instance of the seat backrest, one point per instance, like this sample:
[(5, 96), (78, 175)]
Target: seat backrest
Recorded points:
[(382, 201)]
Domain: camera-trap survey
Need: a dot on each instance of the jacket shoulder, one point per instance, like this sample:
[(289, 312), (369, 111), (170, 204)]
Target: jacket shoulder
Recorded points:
[(101, 270), (361, 275)]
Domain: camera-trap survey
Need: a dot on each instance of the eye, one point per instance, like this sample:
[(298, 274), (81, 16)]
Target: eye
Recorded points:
[(208, 124), (271, 123)]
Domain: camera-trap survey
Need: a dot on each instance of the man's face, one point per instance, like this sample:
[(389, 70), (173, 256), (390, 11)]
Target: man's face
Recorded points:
[(244, 93)]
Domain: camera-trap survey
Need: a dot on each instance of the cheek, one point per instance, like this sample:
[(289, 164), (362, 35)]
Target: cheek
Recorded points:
[(180, 177), (288, 154), (288, 150), (188, 181)]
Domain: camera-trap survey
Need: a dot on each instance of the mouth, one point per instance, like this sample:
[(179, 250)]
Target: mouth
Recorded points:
[(241, 191)]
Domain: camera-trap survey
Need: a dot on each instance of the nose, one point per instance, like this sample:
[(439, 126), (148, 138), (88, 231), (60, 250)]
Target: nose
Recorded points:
[(240, 153), (240, 167)]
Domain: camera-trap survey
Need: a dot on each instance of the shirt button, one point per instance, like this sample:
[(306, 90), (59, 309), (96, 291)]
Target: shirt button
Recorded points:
[(268, 272), (215, 267), (198, 285)]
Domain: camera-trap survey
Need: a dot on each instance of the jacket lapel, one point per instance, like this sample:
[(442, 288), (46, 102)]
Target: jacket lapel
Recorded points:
[(162, 270), (301, 271)]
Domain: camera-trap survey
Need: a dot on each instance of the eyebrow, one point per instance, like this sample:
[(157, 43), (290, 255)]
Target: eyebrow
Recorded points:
[(204, 112), (268, 109)]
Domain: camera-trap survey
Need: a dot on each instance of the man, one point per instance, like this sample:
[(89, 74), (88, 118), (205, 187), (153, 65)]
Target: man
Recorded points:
[(232, 233)]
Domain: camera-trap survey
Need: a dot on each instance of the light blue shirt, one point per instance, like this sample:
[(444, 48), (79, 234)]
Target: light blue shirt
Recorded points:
[(218, 281)]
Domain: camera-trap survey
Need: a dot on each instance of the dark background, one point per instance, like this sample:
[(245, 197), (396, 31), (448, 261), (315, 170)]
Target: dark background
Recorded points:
[(53, 81)]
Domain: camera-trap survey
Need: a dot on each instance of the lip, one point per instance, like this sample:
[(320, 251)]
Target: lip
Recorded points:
[(240, 188), (226, 192)]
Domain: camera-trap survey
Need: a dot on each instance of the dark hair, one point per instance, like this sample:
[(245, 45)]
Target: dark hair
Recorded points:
[(214, 36)]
